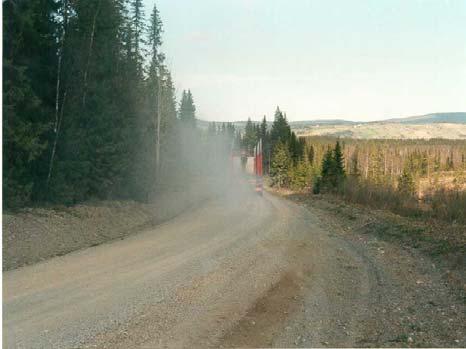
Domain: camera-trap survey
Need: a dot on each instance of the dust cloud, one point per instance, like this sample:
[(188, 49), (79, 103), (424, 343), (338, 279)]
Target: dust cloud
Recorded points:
[(196, 165)]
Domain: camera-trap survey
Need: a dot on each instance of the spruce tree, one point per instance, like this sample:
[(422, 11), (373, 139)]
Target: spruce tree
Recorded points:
[(296, 148), (333, 171), (325, 180), (187, 111), (280, 165), (168, 106), (92, 86), (231, 130), (328, 169), (263, 129), (376, 167), (311, 155), (265, 136), (138, 29), (29, 79), (406, 184), (338, 161), (212, 129), (250, 136), (354, 165), (281, 131), (300, 176)]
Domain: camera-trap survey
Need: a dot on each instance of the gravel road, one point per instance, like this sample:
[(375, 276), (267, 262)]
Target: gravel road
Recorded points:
[(237, 271)]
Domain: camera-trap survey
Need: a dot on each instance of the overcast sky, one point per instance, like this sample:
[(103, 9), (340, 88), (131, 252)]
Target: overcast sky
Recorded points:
[(359, 59)]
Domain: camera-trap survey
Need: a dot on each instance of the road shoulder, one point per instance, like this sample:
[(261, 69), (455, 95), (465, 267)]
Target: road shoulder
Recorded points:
[(419, 270)]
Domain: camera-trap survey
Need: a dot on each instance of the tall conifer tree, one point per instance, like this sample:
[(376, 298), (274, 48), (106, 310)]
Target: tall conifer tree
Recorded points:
[(187, 111)]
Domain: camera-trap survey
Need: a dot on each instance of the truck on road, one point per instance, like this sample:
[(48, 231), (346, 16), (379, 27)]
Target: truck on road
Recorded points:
[(250, 163)]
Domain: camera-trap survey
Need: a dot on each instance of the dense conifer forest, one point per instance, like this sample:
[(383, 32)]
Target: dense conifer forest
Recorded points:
[(89, 105)]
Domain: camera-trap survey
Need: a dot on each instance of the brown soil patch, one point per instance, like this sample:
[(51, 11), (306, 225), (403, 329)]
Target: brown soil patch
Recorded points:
[(267, 315)]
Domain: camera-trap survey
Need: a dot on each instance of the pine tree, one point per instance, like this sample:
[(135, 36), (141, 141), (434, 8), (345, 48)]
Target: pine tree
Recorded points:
[(138, 29), (97, 151), (59, 109), (169, 129), (376, 167), (281, 131), (333, 171), (263, 129), (212, 129), (296, 148), (237, 140), (266, 148), (168, 106), (29, 67), (354, 165), (230, 131), (406, 184), (328, 168), (81, 112), (154, 33), (325, 181), (311, 155), (300, 176), (187, 111), (280, 165), (339, 164), (155, 90), (250, 136), (155, 30)]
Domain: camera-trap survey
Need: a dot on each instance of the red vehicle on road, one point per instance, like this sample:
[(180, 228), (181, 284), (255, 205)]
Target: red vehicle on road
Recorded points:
[(250, 165), (258, 170)]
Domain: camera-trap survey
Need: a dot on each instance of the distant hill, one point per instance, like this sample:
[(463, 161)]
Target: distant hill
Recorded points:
[(435, 125), (307, 123), (435, 118), (388, 130)]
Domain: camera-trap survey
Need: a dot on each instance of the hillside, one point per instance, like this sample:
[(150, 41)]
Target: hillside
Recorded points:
[(436, 125), (451, 118), (388, 131)]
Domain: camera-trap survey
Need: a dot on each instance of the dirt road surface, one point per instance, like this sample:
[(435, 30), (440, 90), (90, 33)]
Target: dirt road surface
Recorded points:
[(255, 272)]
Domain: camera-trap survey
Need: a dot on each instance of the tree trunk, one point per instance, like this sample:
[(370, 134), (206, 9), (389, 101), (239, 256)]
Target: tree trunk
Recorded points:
[(56, 125), (89, 55), (60, 57), (159, 108), (57, 133)]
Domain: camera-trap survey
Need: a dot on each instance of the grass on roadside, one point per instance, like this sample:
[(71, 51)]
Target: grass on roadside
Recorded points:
[(445, 205)]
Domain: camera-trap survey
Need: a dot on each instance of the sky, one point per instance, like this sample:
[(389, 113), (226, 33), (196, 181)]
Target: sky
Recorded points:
[(355, 60)]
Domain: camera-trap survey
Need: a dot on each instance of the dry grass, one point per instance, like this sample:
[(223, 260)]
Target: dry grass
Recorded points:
[(447, 180), (447, 205), (380, 197)]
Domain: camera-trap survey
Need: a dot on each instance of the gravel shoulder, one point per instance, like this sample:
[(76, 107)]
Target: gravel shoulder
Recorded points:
[(418, 288), (32, 235)]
